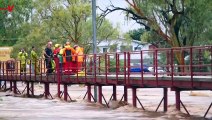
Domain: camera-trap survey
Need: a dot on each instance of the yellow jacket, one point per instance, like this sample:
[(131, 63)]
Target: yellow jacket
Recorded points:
[(22, 56)]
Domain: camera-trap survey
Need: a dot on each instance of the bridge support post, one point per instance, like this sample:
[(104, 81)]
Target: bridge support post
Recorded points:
[(15, 87), (5, 84), (65, 92), (134, 97), (11, 86), (207, 110), (3, 87), (177, 96), (114, 93), (59, 81), (100, 94), (0, 85), (165, 95), (125, 94), (27, 83), (89, 92), (32, 88), (58, 90), (46, 87)]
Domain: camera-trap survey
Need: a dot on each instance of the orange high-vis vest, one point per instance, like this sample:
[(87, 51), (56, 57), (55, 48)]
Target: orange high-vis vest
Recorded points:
[(79, 54), (68, 54)]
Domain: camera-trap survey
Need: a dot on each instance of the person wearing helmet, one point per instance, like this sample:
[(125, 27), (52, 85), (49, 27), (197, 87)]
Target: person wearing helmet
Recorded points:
[(60, 56), (34, 61), (55, 55), (68, 56), (78, 57), (22, 56)]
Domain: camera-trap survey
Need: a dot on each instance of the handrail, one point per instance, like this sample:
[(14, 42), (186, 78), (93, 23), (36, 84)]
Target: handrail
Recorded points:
[(122, 64)]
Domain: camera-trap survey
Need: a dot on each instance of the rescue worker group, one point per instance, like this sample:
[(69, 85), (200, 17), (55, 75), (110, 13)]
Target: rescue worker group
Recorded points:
[(68, 59)]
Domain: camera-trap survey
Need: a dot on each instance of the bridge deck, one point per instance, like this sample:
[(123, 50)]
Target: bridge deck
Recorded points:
[(199, 82)]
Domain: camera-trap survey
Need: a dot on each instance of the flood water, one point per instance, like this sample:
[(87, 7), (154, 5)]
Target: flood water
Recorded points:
[(20, 108)]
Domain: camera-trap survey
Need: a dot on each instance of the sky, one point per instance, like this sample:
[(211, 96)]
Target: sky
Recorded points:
[(117, 17)]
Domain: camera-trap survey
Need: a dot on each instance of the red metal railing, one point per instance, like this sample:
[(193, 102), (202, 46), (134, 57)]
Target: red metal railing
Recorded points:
[(117, 68)]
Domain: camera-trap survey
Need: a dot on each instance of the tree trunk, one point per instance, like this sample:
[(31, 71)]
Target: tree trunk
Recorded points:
[(179, 54), (181, 62)]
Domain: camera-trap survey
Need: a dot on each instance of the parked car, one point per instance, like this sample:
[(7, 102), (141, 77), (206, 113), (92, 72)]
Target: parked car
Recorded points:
[(137, 68), (159, 69)]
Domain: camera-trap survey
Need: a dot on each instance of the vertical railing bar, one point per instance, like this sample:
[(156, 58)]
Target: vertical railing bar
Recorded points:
[(118, 55), (106, 68), (108, 64), (156, 64), (85, 67), (142, 68), (128, 66), (99, 65), (25, 70), (30, 69), (172, 66), (125, 66), (95, 68), (191, 65), (16, 63), (116, 68), (41, 69), (3, 70)]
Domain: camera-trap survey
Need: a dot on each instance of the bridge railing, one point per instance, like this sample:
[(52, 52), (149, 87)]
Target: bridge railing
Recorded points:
[(187, 61), (172, 62)]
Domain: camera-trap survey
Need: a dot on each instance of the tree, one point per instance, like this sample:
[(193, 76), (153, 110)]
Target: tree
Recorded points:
[(136, 34), (12, 24), (178, 22), (154, 39), (61, 21)]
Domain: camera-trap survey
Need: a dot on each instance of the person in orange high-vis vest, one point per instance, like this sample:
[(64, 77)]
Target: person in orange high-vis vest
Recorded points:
[(68, 58), (79, 57)]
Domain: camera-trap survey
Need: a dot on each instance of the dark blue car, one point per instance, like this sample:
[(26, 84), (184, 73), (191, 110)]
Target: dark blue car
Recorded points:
[(139, 69)]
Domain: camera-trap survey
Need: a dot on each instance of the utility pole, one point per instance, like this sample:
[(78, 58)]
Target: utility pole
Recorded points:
[(94, 39)]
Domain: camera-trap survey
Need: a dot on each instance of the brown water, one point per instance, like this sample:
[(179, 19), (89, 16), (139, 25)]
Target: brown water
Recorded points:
[(19, 108)]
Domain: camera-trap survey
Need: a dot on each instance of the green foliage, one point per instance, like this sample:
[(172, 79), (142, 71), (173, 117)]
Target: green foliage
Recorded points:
[(199, 17), (111, 65), (61, 21), (136, 34), (154, 39), (207, 58), (12, 24), (146, 37), (178, 22), (113, 48)]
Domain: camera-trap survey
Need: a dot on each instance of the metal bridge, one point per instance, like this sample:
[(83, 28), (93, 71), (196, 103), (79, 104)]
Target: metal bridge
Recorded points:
[(123, 69)]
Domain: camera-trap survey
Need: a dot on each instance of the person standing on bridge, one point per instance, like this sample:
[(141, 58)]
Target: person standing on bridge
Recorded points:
[(68, 57), (60, 56), (56, 56), (22, 56), (34, 61), (48, 58), (78, 57)]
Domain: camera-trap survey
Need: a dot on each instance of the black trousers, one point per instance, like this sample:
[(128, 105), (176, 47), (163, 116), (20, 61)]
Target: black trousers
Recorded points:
[(48, 66)]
